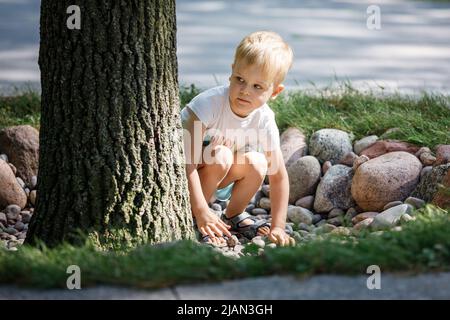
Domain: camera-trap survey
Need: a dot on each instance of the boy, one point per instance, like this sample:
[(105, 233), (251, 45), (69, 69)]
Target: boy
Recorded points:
[(242, 143)]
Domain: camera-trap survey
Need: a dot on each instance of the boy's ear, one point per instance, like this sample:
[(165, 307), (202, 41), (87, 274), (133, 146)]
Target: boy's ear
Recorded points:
[(277, 91)]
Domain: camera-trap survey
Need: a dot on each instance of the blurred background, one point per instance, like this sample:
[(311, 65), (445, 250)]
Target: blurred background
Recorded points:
[(330, 39)]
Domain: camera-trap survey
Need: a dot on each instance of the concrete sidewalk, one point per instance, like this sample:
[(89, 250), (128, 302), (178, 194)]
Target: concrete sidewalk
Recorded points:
[(425, 286)]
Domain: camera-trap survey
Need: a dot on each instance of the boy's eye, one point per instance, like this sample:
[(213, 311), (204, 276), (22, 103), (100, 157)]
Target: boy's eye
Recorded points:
[(240, 79), (258, 86)]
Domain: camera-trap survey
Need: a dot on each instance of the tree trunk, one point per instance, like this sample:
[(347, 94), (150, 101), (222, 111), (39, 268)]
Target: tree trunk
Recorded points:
[(111, 165)]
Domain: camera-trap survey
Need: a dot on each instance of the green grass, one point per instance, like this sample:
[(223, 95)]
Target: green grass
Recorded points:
[(23, 108), (422, 245), (423, 120)]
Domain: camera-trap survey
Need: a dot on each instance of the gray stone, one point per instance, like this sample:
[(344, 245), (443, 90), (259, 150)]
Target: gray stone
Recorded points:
[(336, 221), (266, 190), (216, 207), (415, 202), (11, 230), (326, 228), (316, 218), (271, 245), (305, 202), (26, 216), (424, 171), (3, 218), (392, 204), (330, 145), (428, 185), (259, 211), (12, 212), (334, 190), (250, 207), (304, 174), (259, 242), (299, 214), (305, 227), (336, 212), (33, 183), (264, 203), (389, 218), (364, 143), (4, 157), (19, 226)]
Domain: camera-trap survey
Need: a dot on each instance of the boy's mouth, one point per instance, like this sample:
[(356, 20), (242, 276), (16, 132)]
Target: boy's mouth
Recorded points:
[(242, 100)]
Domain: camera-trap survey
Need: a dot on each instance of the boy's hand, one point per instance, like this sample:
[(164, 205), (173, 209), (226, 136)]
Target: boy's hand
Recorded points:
[(279, 236), (210, 224)]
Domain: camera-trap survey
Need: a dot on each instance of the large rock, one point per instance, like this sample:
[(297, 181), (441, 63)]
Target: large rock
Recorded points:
[(21, 145), (330, 145), (429, 184), (334, 189), (293, 145), (10, 190), (442, 154), (390, 217), (387, 178), (385, 146), (304, 174)]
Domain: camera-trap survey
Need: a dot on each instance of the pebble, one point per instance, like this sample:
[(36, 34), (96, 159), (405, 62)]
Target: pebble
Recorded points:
[(415, 202), (259, 211), (19, 226), (4, 157), (258, 242), (33, 197), (11, 230), (392, 204), (216, 207), (336, 221), (33, 182), (12, 212), (305, 202), (316, 218), (264, 203), (336, 212), (250, 207), (26, 216), (266, 190)]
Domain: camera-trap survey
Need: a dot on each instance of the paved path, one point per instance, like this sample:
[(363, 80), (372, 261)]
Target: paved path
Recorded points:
[(410, 52), (426, 286)]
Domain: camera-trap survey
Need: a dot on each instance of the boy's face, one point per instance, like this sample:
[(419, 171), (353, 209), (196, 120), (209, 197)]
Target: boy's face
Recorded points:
[(250, 88)]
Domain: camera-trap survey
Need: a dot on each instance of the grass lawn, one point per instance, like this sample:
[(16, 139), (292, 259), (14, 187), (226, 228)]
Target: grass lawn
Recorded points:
[(422, 245)]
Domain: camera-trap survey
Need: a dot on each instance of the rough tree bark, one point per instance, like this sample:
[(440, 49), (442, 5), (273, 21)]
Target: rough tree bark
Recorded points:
[(110, 163)]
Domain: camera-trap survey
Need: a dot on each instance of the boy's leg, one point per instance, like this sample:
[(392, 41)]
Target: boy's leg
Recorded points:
[(213, 173), (247, 172)]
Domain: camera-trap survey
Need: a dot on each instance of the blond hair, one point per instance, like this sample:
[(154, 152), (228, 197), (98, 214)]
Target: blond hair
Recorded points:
[(268, 50)]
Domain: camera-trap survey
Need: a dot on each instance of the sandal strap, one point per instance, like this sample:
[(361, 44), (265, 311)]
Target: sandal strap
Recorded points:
[(238, 218)]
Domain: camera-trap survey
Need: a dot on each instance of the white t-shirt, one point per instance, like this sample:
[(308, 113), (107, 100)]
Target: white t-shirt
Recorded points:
[(257, 131)]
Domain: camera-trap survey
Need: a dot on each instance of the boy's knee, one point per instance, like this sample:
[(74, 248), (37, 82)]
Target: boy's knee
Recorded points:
[(257, 162), (221, 156)]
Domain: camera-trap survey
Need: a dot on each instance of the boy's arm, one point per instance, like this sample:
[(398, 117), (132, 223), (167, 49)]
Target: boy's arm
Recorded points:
[(193, 141), (279, 195)]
